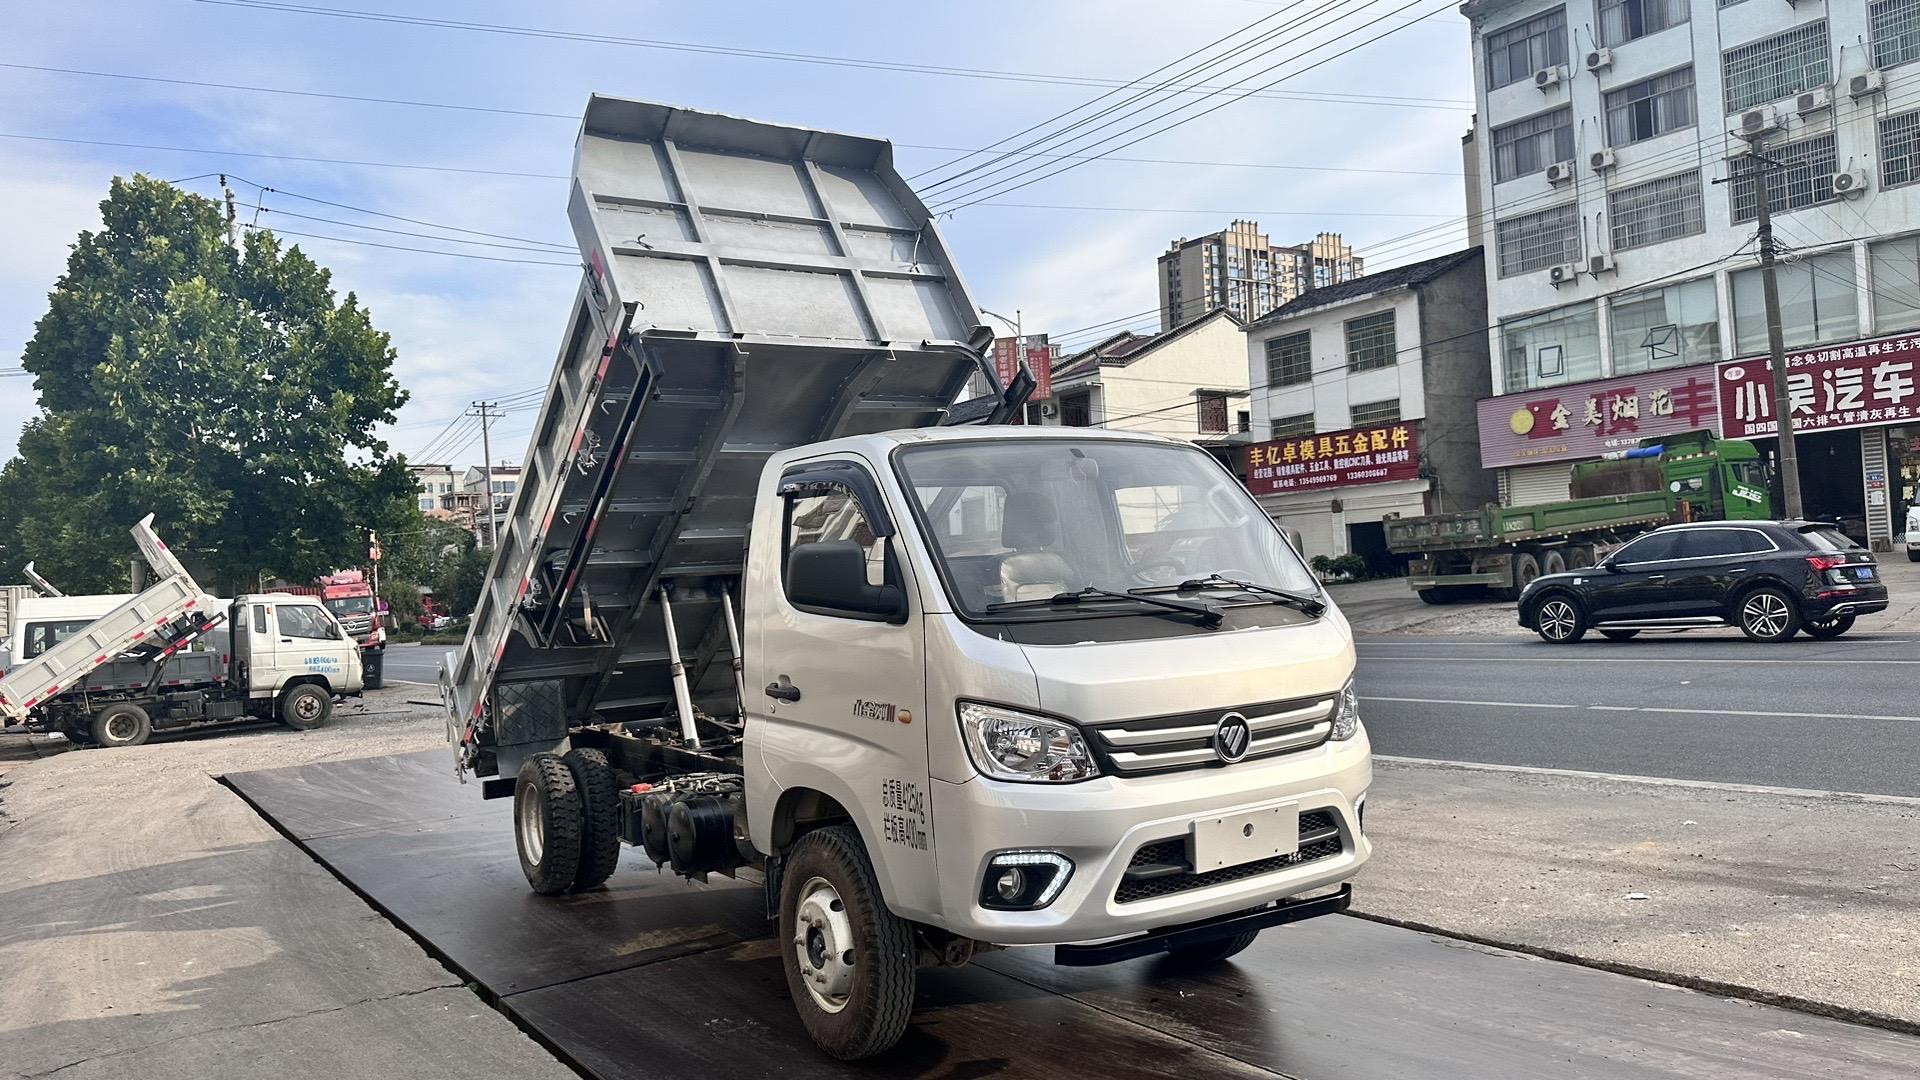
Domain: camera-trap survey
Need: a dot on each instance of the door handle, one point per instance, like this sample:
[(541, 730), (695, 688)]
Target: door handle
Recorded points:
[(286, 641), (783, 690), (1656, 577)]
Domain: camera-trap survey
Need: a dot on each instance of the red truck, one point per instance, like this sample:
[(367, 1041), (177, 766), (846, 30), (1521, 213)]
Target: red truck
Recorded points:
[(349, 596)]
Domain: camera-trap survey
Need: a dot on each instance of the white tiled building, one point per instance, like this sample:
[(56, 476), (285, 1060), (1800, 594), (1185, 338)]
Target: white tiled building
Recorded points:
[(1602, 128)]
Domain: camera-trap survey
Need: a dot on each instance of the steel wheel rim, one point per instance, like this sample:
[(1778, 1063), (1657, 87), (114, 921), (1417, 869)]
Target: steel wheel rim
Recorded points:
[(121, 727), (1557, 619), (532, 820), (1765, 614), (823, 945), (306, 706)]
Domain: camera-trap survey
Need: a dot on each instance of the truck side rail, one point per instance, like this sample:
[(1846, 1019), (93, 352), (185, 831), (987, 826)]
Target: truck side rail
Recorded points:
[(171, 611)]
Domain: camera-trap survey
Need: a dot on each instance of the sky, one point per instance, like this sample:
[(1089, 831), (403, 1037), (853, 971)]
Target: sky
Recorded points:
[(1078, 252)]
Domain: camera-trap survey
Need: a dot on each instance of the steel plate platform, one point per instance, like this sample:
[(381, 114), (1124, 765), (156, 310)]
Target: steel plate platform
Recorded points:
[(655, 977)]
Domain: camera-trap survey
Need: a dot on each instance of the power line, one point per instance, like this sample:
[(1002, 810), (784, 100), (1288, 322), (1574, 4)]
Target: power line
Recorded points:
[(284, 157), (1211, 212), (398, 217), (418, 250), (989, 74)]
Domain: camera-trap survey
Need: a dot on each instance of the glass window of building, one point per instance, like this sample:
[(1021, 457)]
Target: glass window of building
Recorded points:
[(1516, 52), (1528, 146), (1622, 21), (1657, 210), (1900, 149), (1777, 67), (1803, 177), (1374, 412), (1551, 348), (1290, 359), (1539, 240), (1817, 303), (1370, 342), (1896, 31), (1668, 327), (1651, 107), (1290, 427), (1896, 284)]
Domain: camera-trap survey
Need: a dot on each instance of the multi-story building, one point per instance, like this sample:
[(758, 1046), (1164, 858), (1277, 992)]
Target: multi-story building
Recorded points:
[(1241, 270), (1616, 169), (1365, 394), (430, 483), (1189, 382)]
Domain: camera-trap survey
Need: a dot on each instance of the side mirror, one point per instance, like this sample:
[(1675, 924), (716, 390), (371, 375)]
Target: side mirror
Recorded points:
[(830, 578)]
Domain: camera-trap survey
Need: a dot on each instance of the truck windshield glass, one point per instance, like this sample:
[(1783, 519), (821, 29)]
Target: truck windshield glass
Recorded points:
[(1014, 520), (350, 605)]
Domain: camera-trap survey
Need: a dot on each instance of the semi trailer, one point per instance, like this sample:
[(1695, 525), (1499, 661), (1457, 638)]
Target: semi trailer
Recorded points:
[(1500, 549), (755, 612), (162, 659)]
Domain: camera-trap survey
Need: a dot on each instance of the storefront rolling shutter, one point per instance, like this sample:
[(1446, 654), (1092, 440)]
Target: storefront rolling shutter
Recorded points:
[(1529, 484), (1873, 467)]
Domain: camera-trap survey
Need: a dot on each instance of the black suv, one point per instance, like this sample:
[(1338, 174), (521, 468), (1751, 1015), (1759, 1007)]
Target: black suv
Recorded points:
[(1772, 579)]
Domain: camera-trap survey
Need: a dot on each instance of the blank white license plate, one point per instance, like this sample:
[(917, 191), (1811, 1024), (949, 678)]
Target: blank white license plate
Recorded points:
[(1219, 842)]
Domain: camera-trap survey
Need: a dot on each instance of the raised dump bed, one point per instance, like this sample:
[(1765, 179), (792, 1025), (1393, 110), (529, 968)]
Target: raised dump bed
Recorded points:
[(747, 287)]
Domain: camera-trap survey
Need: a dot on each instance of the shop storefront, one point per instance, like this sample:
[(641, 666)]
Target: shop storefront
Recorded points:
[(1337, 488)]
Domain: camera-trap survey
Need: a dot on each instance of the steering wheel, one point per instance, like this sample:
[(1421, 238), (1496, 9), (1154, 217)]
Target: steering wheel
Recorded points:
[(1141, 572)]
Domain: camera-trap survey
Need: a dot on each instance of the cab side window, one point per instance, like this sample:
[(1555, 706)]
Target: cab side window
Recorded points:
[(45, 635), (835, 516), (259, 618), (300, 621)]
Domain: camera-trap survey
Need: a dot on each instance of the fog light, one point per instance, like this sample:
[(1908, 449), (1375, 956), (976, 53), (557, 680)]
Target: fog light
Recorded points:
[(1011, 884)]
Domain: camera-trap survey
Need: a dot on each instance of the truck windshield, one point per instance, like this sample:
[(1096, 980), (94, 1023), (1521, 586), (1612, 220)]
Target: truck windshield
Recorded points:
[(1028, 519), (350, 605)]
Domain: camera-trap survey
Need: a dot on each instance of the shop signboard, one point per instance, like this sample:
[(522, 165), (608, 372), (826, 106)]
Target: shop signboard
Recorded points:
[(1038, 354), (1831, 387), (1590, 419), (1377, 454)]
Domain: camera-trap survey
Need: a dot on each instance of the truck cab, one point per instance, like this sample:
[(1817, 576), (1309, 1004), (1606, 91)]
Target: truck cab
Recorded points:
[(280, 641)]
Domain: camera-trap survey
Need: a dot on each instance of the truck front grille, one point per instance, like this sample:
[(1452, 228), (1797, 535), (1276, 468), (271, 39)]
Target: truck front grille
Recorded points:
[(1185, 741), (1161, 868)]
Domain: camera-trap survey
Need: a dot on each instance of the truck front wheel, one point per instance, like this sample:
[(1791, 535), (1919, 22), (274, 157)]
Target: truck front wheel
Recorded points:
[(850, 962), (122, 725), (306, 707)]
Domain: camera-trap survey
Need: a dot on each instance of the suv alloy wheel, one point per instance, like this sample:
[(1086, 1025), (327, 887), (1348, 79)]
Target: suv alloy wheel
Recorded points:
[(1559, 620), (1768, 614)]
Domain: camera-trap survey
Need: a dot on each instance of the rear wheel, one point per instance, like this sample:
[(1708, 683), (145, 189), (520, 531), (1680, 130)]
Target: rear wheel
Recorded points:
[(1768, 614), (600, 821), (306, 707), (1827, 629), (547, 824), (1619, 635), (1559, 620), (1553, 563), (1579, 558), (1212, 952), (850, 962), (122, 725)]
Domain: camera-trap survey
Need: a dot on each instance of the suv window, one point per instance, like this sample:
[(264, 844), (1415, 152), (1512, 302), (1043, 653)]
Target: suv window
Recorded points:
[(1825, 539), (1710, 543), (1653, 547), (1753, 542)]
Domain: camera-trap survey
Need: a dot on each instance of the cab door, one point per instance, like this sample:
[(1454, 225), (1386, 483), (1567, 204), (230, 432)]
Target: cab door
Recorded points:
[(306, 641), (836, 692)]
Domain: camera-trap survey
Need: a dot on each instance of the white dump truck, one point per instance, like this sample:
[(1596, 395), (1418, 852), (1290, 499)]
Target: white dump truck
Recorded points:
[(109, 671), (757, 613)]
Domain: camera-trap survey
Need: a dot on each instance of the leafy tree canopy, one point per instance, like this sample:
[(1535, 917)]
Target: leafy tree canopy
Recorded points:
[(232, 397)]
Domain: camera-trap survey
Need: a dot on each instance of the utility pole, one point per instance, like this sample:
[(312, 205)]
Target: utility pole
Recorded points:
[(1776, 341), (233, 216), (486, 411)]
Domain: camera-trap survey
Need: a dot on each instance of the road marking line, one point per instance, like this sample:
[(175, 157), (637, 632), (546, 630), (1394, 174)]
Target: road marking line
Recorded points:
[(1657, 781), (1696, 660), (1644, 708)]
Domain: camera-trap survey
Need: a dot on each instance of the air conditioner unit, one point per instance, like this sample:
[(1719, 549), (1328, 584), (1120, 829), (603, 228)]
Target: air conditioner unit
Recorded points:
[(1547, 78), (1048, 408), (1865, 85), (1599, 264), (1849, 184), (1560, 172), (1820, 97), (1564, 274), (1599, 59), (1759, 121), (1600, 160)]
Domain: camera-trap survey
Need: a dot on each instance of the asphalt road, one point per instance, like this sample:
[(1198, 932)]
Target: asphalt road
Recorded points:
[(411, 662), (1831, 716)]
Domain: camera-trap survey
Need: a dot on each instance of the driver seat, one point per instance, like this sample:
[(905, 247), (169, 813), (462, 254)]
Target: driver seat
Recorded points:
[(1032, 570)]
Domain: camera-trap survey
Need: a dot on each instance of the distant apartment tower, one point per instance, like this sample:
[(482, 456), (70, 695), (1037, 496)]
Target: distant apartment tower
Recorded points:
[(1241, 270)]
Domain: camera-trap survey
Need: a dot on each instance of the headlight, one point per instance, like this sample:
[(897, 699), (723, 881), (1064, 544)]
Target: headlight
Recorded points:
[(1007, 744), (1346, 714)]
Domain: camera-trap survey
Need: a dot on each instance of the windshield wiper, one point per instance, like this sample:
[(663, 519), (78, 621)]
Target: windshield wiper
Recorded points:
[(1207, 614), (1312, 605)]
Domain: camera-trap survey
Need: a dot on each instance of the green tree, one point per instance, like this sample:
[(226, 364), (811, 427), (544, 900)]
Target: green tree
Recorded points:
[(418, 555), (232, 397), (461, 577)]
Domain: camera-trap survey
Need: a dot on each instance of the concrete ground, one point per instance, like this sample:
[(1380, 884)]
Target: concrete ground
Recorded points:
[(156, 927)]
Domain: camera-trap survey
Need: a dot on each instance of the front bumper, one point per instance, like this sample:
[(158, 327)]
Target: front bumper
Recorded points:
[(1100, 824)]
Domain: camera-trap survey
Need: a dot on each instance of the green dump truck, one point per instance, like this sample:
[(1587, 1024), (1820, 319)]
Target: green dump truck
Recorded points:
[(1690, 477)]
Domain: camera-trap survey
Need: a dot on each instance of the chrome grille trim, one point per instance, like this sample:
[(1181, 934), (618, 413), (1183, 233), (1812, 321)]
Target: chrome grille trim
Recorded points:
[(1185, 741)]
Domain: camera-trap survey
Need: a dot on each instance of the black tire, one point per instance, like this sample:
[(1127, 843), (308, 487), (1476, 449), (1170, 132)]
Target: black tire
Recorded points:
[(77, 729), (547, 824), (852, 1010), (1619, 635), (1435, 595), (1768, 613), (305, 707), (121, 724), (1211, 952), (1558, 619), (1912, 555), (1526, 567), (1553, 562), (1828, 629), (600, 809), (1579, 558)]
